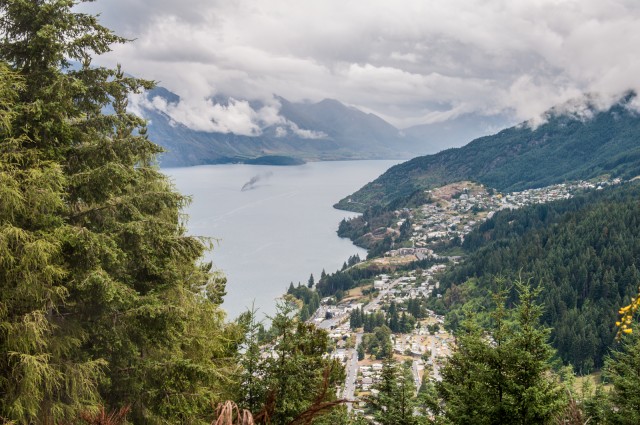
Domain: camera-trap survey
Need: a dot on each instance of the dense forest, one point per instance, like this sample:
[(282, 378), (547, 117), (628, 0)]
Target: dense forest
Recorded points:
[(584, 253), (563, 148)]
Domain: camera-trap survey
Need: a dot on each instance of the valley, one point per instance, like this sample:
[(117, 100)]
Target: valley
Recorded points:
[(450, 213)]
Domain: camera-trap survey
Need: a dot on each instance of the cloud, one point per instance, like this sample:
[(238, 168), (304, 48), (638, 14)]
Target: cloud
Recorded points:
[(203, 115), (406, 61), (306, 134), (233, 116), (585, 107)]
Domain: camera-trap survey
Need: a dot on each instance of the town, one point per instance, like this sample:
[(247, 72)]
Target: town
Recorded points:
[(450, 214)]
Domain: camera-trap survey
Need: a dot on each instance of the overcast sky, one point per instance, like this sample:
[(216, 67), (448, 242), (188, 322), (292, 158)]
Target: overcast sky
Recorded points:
[(409, 61)]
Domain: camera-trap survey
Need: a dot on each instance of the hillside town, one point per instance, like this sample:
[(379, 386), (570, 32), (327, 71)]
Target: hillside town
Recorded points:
[(451, 213)]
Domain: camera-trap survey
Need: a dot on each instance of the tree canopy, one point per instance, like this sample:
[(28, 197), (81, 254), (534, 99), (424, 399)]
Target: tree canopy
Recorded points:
[(104, 299), (502, 375)]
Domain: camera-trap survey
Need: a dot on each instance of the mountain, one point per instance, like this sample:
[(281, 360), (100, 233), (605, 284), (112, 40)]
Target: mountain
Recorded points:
[(327, 130), (575, 141), (354, 128)]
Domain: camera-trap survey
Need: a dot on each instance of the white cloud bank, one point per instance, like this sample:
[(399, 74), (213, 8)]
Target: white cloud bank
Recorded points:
[(236, 116), (410, 62)]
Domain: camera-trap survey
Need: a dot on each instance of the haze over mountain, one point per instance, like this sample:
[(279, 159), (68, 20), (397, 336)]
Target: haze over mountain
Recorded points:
[(457, 131), (227, 130), (580, 139)]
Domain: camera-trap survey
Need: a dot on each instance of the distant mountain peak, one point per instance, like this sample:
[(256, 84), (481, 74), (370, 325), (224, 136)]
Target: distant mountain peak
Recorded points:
[(223, 129), (333, 103)]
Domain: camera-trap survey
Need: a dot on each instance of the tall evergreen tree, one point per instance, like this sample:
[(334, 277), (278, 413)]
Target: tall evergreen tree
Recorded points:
[(297, 374), (104, 301), (395, 401), (251, 385), (504, 375), (622, 371)]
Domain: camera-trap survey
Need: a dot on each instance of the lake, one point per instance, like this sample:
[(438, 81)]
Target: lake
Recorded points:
[(273, 225)]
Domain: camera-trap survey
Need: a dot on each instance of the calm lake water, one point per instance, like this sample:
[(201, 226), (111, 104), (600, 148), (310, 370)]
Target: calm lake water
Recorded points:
[(274, 225)]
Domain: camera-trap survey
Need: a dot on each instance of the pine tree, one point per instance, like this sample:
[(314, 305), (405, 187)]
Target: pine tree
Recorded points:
[(294, 374), (622, 371), (104, 299), (304, 313), (395, 402), (462, 389), (394, 319), (41, 379), (251, 388), (502, 376), (535, 396), (311, 281)]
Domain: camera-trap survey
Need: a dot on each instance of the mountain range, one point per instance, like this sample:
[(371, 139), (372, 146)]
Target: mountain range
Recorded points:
[(302, 131), (577, 140)]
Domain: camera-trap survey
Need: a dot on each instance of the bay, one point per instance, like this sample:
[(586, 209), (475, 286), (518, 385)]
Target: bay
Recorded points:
[(272, 225)]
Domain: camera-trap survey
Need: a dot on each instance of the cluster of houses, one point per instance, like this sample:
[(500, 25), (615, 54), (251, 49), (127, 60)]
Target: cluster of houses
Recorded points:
[(424, 346), (368, 376), (552, 193), (426, 351), (452, 212)]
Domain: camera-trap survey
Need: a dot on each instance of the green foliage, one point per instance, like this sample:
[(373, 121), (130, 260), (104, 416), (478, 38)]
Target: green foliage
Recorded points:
[(252, 391), (339, 281), (371, 230), (622, 371), (395, 402), (563, 148), (356, 318), (294, 375), (309, 297), (103, 299), (378, 343), (503, 375), (373, 320), (586, 251)]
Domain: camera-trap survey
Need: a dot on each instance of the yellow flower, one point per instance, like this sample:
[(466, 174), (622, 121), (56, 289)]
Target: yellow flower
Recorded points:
[(628, 331)]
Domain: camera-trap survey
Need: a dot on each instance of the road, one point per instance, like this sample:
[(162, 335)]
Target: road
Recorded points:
[(435, 368), (416, 375), (374, 303), (351, 367), (352, 373), (332, 323)]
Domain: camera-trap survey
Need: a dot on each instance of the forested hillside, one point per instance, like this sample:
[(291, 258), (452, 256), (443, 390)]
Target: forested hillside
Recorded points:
[(583, 252), (563, 148)]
